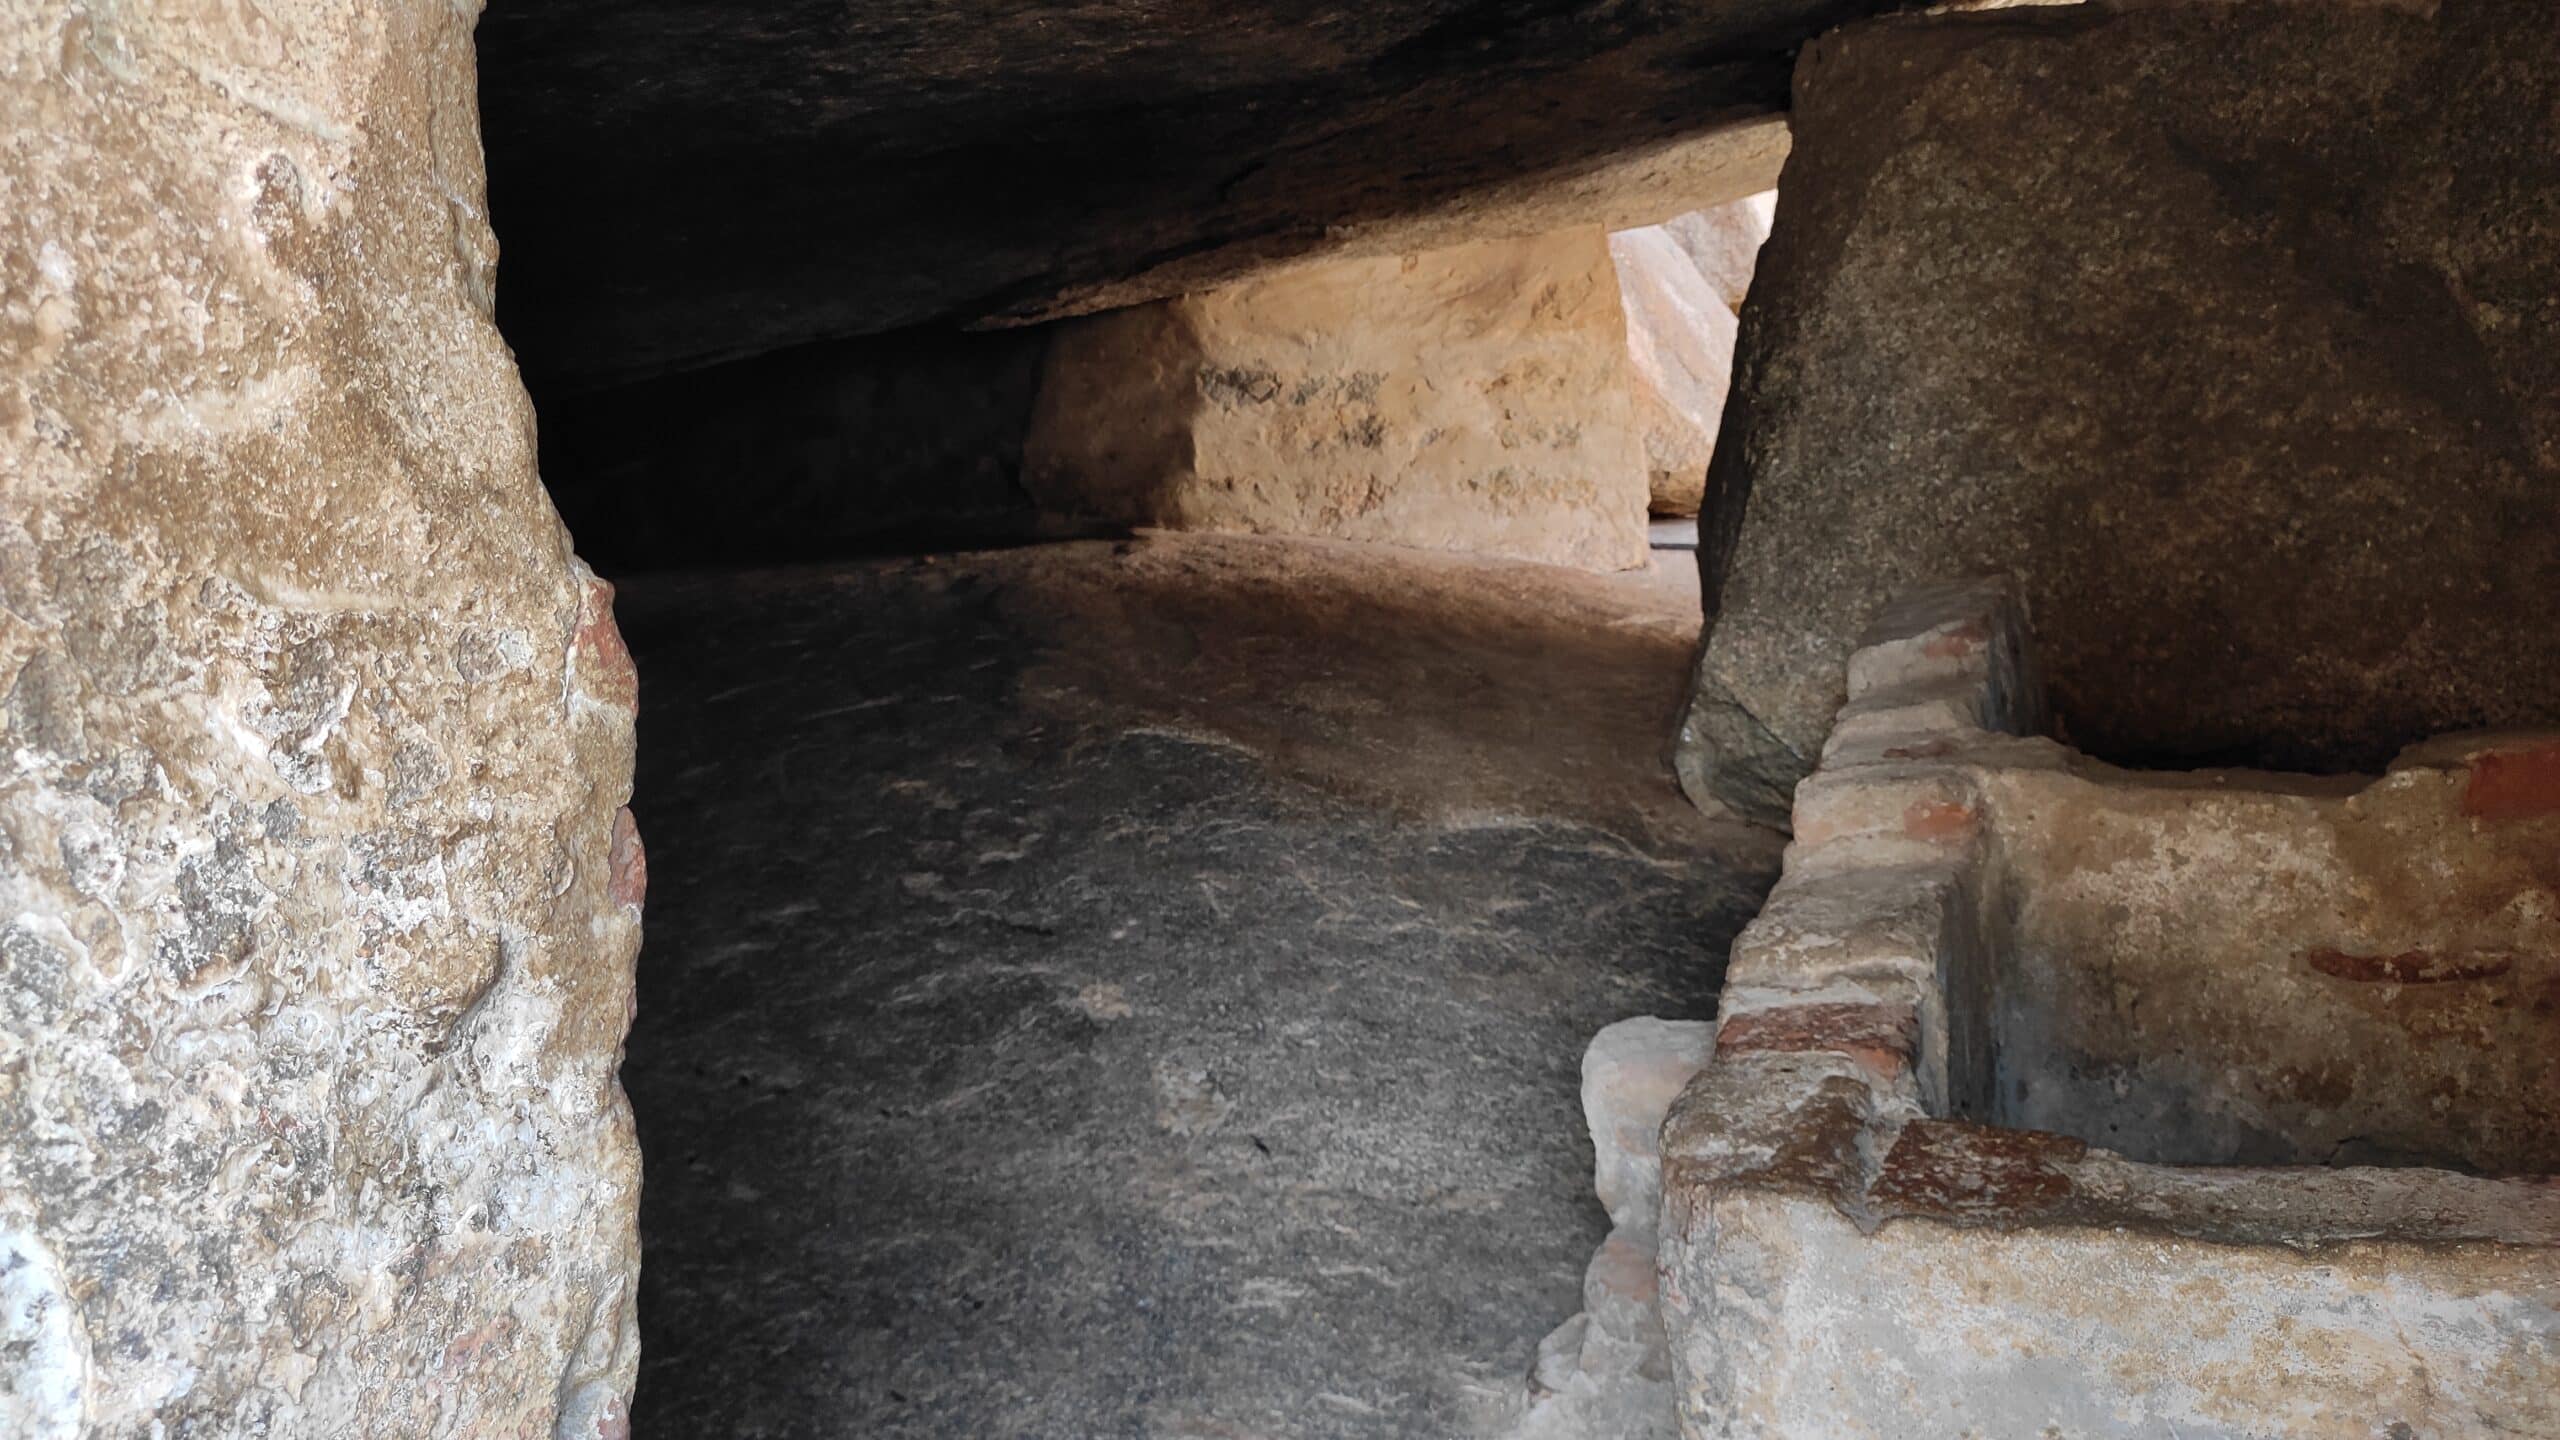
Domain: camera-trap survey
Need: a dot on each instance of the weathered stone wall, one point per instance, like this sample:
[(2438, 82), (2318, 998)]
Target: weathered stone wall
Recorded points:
[(2380, 985), (1474, 398), (319, 902), (2225, 328)]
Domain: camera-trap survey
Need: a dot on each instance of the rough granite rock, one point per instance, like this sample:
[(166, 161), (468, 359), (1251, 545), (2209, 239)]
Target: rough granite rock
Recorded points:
[(2225, 328), (1473, 398), (1166, 1021), (684, 181), (320, 904), (1680, 337)]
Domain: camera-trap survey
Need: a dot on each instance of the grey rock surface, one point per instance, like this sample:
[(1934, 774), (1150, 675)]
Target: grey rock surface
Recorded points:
[(1137, 991), (2221, 327), (682, 181)]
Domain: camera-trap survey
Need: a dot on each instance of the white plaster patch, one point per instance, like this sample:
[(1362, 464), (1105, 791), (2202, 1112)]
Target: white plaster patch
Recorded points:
[(44, 1350)]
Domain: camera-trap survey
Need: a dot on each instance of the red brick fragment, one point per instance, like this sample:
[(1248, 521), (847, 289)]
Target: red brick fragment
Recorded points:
[(1879, 1037), (1939, 822), (2514, 785), (627, 862), (2410, 967), (604, 662)]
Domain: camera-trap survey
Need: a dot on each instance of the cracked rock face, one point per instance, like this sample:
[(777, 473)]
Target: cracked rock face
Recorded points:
[(319, 903)]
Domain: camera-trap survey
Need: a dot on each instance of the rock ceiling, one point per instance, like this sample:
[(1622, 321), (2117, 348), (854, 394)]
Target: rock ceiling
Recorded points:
[(678, 182)]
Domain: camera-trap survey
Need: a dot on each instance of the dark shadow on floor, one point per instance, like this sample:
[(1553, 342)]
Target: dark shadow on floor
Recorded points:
[(1007, 1069)]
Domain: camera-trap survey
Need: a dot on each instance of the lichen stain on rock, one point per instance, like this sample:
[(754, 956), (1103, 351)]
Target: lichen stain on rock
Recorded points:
[(2514, 785), (44, 1349), (1818, 1151)]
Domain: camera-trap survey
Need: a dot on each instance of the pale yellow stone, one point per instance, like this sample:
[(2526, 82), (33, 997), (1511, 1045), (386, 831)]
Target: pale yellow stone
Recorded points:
[(1474, 398)]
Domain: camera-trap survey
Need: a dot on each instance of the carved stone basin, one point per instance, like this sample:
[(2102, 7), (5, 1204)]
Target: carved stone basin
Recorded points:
[(2051, 1098)]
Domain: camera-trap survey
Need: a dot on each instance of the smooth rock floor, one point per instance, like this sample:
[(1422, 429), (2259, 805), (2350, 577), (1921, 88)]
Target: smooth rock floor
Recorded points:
[(1138, 989)]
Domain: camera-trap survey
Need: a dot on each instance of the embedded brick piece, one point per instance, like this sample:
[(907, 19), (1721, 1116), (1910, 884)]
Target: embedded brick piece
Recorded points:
[(1880, 1036), (2051, 1098), (2519, 784)]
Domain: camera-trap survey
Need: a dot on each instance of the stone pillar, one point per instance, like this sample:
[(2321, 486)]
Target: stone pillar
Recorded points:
[(1473, 398), (318, 903)]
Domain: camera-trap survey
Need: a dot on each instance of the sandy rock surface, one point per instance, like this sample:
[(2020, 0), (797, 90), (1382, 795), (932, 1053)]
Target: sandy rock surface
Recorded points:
[(1724, 242), (1472, 398)]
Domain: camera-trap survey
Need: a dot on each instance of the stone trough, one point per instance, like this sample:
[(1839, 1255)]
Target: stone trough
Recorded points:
[(2054, 1099)]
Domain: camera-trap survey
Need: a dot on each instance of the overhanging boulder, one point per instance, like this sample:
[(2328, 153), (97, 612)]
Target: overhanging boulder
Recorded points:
[(2224, 328)]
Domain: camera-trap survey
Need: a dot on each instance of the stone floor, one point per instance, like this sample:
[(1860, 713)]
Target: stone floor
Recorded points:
[(1137, 989)]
